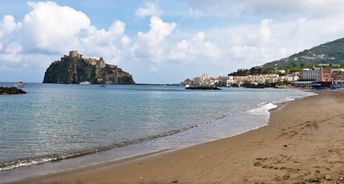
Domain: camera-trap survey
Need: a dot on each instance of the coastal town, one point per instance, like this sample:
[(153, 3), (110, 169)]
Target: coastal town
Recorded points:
[(322, 75)]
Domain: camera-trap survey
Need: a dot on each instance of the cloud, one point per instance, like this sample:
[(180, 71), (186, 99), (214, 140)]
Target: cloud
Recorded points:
[(11, 53), (8, 25), (265, 30), (108, 43), (248, 45), (153, 44), (159, 30), (53, 28), (194, 49), (267, 7), (147, 10)]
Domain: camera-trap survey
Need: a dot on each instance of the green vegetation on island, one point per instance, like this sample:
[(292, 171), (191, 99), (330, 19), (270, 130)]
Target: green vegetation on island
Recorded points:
[(74, 69)]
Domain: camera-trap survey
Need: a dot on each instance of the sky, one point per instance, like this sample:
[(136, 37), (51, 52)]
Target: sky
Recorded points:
[(162, 41)]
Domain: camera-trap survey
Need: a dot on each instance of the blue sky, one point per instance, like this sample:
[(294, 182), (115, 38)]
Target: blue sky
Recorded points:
[(161, 41)]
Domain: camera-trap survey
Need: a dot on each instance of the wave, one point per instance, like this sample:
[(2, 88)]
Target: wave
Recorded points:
[(264, 108), (47, 158)]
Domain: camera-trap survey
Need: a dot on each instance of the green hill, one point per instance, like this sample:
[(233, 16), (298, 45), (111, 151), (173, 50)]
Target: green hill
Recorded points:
[(327, 53)]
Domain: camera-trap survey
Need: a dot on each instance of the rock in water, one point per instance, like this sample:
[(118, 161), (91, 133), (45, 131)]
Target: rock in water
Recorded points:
[(74, 69), (11, 91)]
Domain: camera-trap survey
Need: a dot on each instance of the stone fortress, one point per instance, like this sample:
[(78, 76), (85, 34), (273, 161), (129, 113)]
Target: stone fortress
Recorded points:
[(75, 54), (98, 63), (75, 69)]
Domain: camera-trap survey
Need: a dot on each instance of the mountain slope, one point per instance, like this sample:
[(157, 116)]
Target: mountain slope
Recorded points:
[(327, 53)]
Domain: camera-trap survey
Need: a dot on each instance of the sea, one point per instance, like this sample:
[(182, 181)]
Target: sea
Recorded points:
[(58, 127)]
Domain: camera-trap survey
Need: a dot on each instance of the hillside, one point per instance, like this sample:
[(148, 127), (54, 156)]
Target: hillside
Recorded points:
[(74, 69), (328, 53)]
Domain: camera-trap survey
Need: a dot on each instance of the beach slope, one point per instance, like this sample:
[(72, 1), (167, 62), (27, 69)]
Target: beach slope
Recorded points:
[(304, 143)]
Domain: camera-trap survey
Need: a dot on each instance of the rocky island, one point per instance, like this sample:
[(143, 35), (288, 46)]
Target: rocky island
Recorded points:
[(11, 91), (74, 69)]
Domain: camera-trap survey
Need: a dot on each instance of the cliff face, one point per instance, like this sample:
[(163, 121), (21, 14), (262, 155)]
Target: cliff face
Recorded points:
[(74, 69)]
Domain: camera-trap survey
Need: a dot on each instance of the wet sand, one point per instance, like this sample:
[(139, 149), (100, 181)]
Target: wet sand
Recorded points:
[(304, 143)]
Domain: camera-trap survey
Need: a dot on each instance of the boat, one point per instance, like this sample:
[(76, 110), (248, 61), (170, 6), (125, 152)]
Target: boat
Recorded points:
[(202, 87), (20, 84), (85, 83)]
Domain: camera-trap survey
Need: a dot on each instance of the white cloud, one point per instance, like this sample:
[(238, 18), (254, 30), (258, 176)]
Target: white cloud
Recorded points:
[(13, 48), (125, 40), (153, 44), (9, 50), (249, 45), (8, 25), (265, 30), (11, 53), (283, 8), (148, 9), (195, 50), (159, 30), (53, 28), (107, 43)]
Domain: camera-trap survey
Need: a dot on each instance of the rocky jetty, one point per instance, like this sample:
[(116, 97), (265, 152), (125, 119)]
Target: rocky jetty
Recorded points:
[(11, 91), (74, 69)]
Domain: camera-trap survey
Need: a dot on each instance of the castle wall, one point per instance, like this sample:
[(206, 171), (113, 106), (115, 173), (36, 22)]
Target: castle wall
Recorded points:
[(74, 54)]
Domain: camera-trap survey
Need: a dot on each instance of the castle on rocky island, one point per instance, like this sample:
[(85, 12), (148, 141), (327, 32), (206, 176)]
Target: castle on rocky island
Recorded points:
[(75, 69)]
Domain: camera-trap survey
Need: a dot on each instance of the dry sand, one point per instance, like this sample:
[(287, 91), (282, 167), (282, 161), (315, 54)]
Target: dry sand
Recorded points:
[(304, 143)]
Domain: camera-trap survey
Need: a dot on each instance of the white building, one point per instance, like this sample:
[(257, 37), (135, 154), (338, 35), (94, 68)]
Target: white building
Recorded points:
[(254, 79), (308, 74)]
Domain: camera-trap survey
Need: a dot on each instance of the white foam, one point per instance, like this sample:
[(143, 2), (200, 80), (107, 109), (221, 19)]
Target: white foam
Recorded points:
[(289, 99), (262, 109), (24, 163)]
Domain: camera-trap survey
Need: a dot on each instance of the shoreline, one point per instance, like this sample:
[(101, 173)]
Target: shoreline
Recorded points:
[(127, 169), (88, 153)]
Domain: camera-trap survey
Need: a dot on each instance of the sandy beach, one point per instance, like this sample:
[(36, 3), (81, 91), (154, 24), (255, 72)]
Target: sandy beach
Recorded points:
[(304, 143)]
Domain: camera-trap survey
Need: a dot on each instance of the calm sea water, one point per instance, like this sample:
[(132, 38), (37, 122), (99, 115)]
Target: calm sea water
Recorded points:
[(54, 122)]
